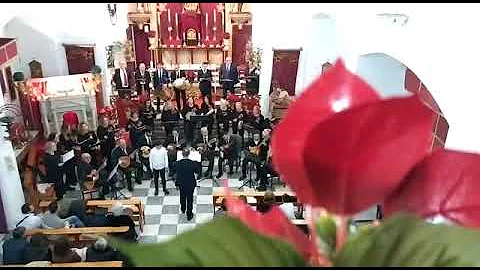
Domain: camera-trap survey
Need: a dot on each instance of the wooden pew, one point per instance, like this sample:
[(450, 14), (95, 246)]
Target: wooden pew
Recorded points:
[(76, 264), (75, 233), (258, 195), (135, 204)]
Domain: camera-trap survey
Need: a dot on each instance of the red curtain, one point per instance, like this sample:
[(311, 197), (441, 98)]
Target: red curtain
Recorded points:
[(142, 53), (285, 67), (240, 38), (79, 59)]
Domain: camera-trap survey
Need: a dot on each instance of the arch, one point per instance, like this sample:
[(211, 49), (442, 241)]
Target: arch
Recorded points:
[(391, 77)]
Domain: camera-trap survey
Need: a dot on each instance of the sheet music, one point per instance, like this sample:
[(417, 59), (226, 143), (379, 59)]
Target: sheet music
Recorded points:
[(67, 156)]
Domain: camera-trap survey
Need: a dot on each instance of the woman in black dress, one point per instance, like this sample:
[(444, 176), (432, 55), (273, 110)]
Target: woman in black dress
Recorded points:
[(190, 109), (147, 114), (66, 142), (208, 110)]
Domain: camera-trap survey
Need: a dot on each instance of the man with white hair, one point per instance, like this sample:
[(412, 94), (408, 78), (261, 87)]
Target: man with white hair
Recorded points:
[(228, 76), (206, 146), (142, 78), (101, 251), (122, 79)]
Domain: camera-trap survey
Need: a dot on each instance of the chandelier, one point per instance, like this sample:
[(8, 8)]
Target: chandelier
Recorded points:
[(112, 12)]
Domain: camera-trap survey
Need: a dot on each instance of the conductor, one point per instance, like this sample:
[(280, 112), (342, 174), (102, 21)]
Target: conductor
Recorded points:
[(186, 170)]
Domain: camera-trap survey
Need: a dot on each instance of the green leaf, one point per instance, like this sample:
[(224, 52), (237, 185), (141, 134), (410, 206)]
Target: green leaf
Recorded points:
[(327, 234), (221, 242), (408, 241)]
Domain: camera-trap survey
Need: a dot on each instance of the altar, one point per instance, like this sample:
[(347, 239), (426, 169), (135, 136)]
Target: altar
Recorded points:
[(60, 94)]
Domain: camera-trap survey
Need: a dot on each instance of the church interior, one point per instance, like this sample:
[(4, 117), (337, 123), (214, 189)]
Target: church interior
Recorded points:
[(132, 120)]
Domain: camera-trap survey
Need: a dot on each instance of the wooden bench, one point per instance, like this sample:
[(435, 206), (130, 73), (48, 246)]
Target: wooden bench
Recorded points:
[(77, 264), (75, 233), (135, 204), (258, 195)]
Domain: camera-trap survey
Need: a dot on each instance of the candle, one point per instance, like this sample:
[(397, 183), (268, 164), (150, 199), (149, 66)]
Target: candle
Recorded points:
[(214, 17), (151, 64), (206, 21), (139, 6), (169, 20), (176, 20)]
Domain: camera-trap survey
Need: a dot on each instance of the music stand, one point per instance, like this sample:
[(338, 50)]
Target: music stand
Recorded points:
[(115, 189)]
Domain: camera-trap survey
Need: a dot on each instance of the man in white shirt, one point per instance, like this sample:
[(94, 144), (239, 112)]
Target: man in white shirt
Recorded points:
[(158, 163), (30, 220)]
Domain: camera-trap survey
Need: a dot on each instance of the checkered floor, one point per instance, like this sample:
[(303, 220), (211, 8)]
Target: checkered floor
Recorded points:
[(163, 218)]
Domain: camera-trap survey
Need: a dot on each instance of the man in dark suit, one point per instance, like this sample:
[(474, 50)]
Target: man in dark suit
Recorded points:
[(206, 146), (205, 79), (228, 76), (122, 80), (179, 93), (161, 77), (122, 151), (145, 140), (174, 142), (142, 78), (186, 170)]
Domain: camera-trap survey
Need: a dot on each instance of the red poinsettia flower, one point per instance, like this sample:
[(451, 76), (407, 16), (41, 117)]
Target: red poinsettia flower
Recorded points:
[(445, 184), (347, 160)]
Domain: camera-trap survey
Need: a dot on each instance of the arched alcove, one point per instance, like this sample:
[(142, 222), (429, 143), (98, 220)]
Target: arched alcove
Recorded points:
[(391, 77)]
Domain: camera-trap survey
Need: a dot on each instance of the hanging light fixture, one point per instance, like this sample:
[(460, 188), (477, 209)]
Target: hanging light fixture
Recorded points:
[(112, 12)]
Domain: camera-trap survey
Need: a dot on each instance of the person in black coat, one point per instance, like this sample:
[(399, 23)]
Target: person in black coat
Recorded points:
[(142, 79), (147, 114), (122, 151), (186, 170), (122, 80), (252, 79), (38, 249), (54, 169), (205, 81), (14, 248), (160, 77), (121, 217), (228, 76), (179, 93), (145, 140), (170, 114)]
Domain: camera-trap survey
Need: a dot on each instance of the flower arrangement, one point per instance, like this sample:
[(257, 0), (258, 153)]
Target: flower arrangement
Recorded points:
[(342, 148), (254, 56), (123, 48)]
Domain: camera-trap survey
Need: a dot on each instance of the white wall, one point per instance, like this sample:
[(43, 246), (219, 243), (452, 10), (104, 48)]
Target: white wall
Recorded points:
[(10, 184), (438, 44), (40, 36), (385, 74)]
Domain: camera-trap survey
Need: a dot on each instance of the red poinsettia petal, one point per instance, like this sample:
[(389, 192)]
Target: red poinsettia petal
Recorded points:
[(273, 224), (336, 90), (356, 158), (445, 184)]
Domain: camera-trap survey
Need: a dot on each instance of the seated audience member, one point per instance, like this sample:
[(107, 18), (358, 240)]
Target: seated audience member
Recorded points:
[(38, 249), (121, 217), (291, 209), (63, 253), (267, 203), (30, 220), (101, 251), (222, 211), (52, 219), (14, 248), (78, 208)]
